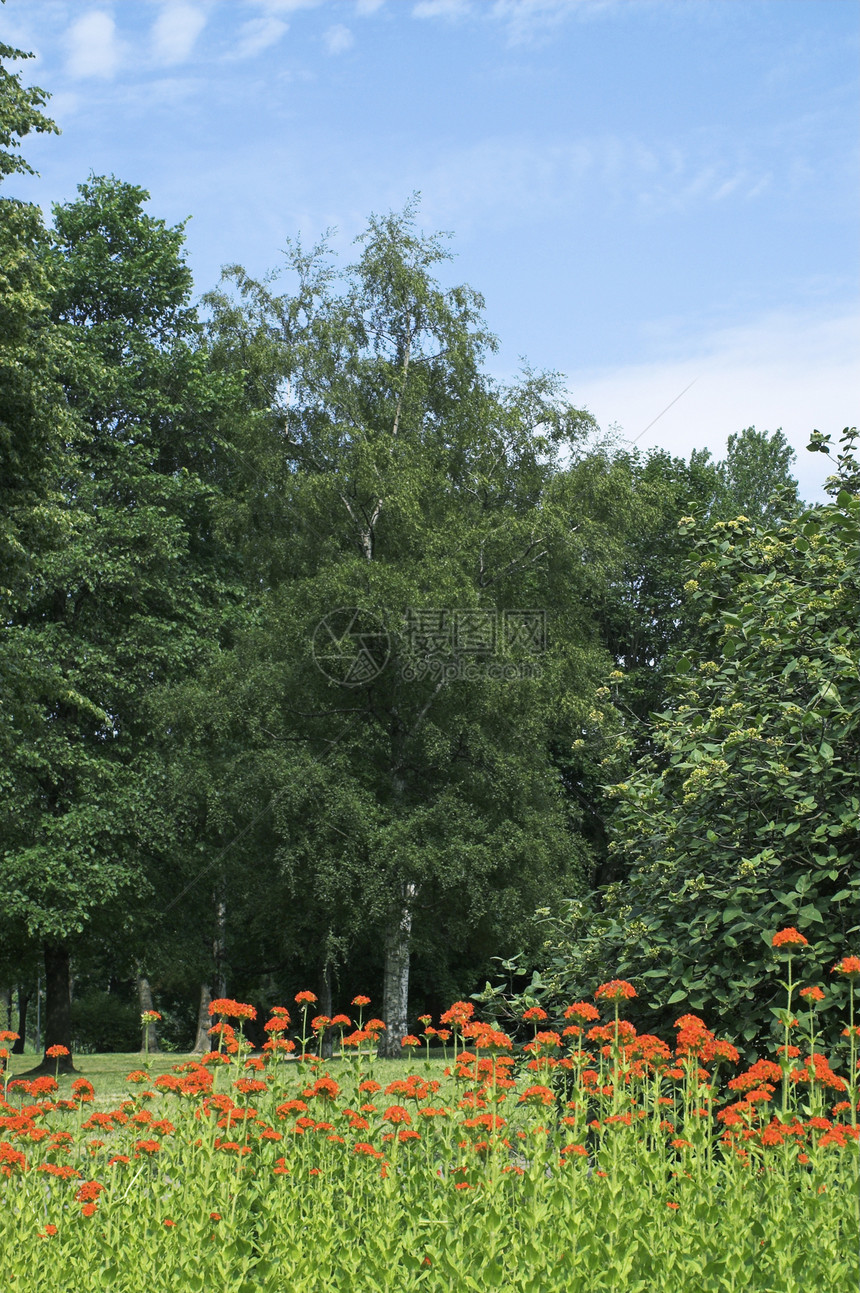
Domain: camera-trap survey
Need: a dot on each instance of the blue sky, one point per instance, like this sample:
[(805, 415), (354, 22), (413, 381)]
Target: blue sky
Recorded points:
[(648, 193)]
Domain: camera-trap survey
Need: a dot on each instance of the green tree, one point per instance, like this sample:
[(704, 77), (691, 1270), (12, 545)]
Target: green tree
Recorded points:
[(755, 479), (33, 423), (389, 474), (643, 617), (744, 818), (30, 397), (125, 598)]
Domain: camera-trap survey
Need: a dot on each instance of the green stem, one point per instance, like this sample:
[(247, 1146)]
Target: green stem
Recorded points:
[(786, 1062)]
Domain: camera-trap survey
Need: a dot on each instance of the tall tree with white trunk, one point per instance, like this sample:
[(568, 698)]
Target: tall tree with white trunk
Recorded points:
[(412, 520)]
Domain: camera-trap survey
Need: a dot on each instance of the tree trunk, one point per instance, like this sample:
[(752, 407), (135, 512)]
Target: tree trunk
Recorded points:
[(203, 1042), (23, 1003), (395, 988), (58, 1006), (219, 948), (325, 1005), (7, 1022), (144, 996)]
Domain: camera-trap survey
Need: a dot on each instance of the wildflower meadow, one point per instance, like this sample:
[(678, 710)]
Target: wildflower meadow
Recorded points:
[(590, 1156)]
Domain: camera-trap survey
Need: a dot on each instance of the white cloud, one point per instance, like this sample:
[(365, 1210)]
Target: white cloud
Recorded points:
[(524, 19), (93, 49), (440, 8), (365, 7), (258, 34), (510, 178), (175, 31), (791, 370), (286, 6), (338, 39), (64, 105), (525, 16)]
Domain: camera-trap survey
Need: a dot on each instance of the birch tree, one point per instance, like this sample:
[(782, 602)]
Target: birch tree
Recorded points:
[(409, 513)]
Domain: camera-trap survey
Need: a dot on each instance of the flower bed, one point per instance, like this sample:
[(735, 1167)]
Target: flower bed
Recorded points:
[(592, 1157)]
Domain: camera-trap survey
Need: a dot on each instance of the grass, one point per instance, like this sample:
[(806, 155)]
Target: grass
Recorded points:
[(109, 1070)]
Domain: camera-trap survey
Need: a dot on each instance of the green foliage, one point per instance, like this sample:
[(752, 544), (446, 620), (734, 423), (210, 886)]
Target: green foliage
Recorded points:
[(754, 479), (381, 468), (120, 594), (181, 506), (642, 614), (19, 114), (104, 1021), (31, 406), (744, 817)]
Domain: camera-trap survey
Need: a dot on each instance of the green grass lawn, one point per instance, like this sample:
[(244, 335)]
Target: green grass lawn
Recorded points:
[(108, 1071)]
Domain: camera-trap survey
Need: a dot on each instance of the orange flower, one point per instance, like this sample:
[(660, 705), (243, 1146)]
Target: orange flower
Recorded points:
[(361, 1001), (812, 994), (615, 989), (54, 1052), (277, 1025), (357, 1038), (691, 1023), (789, 938), (325, 1087), (582, 1010), (306, 997), (276, 1044), (232, 1009), (849, 965), (542, 1093), (459, 1013), (363, 1147), (535, 1013)]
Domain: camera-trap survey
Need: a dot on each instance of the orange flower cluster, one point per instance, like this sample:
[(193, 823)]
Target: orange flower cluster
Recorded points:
[(615, 990), (561, 1095), (232, 1009), (789, 938)]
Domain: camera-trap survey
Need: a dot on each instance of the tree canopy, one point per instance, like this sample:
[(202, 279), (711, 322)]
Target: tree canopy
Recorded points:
[(326, 656)]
